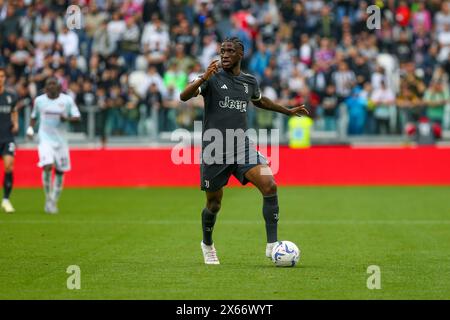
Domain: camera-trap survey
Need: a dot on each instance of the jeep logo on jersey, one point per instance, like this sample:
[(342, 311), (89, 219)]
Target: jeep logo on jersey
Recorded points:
[(233, 104), (5, 109)]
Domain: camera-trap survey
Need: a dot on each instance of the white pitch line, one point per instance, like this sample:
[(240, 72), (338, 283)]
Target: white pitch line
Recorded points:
[(237, 222)]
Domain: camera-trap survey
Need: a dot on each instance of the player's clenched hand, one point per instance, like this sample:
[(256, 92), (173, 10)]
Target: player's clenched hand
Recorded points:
[(30, 132), (213, 68), (299, 111)]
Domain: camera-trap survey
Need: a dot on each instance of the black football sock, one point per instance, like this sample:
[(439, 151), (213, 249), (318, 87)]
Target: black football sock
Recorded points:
[(7, 185), (270, 212), (208, 221)]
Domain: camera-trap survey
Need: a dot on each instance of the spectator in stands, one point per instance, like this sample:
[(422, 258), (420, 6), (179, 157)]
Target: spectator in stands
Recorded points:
[(94, 19), (324, 56), (421, 18), (114, 120), (155, 42), (183, 35), (329, 106), (154, 103), (361, 69), (69, 42), (384, 100), (102, 43), (442, 17), (326, 26), (260, 59), (44, 36), (356, 107), (129, 43), (10, 24), (343, 79), (408, 103), (115, 29), (175, 77), (209, 51), (102, 101), (130, 112), (436, 97), (20, 56), (73, 72), (183, 61), (306, 50), (317, 45), (168, 113)]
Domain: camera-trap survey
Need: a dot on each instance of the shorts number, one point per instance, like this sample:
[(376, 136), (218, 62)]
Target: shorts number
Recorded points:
[(11, 147), (63, 162)]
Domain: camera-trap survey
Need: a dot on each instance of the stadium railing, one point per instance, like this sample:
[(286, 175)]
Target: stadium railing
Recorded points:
[(149, 133)]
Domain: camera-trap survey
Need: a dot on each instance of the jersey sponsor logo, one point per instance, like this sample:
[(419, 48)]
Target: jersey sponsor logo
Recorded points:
[(233, 104), (224, 87), (5, 109), (53, 113)]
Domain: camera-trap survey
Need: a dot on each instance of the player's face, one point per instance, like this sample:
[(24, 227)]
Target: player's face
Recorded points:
[(52, 88), (229, 55)]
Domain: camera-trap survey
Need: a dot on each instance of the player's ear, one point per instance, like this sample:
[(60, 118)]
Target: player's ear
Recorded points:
[(240, 52)]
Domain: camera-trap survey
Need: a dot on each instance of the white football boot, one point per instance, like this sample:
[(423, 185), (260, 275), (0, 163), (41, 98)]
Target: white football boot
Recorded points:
[(50, 207), (7, 206), (269, 248), (209, 254)]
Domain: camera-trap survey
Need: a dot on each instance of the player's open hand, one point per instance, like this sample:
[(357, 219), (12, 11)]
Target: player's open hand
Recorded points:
[(299, 111), (213, 68)]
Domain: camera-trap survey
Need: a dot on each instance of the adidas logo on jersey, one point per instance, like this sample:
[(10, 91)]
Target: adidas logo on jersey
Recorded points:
[(224, 87)]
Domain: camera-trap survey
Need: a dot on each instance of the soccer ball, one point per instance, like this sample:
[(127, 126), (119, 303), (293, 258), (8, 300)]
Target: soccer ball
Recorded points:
[(285, 254)]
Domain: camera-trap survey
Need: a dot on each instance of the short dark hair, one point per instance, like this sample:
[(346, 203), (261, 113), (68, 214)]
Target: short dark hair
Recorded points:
[(51, 78), (236, 41)]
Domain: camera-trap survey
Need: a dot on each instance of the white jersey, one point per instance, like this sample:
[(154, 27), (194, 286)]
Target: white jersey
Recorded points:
[(51, 129)]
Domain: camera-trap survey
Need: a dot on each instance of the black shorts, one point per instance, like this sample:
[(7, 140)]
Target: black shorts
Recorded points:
[(215, 176), (7, 148)]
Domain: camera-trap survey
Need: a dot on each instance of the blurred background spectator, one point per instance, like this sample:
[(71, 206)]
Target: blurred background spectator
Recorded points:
[(127, 64)]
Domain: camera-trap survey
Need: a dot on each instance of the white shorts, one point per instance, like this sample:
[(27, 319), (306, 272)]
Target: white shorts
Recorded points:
[(54, 155)]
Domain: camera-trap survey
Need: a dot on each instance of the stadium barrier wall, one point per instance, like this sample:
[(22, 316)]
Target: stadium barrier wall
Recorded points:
[(315, 166)]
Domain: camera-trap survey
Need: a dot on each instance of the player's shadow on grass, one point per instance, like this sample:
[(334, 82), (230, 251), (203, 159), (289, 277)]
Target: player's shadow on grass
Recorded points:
[(268, 265)]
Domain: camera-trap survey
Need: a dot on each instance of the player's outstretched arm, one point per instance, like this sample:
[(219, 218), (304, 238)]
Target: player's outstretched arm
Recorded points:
[(267, 104), (192, 88)]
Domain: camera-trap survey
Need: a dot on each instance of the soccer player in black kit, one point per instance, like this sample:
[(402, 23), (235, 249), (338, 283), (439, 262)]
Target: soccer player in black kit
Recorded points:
[(9, 125), (226, 92)]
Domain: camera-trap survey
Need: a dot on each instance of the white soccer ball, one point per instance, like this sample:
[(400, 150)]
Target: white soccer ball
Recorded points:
[(285, 254)]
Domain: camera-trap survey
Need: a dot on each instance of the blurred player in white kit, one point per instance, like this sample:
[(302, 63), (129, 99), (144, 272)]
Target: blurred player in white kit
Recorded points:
[(53, 110)]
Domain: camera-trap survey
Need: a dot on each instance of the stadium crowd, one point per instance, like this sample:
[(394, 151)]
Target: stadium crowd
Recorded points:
[(130, 59)]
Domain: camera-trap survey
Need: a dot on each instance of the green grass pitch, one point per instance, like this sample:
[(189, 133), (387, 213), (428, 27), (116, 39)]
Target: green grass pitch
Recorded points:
[(145, 244)]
